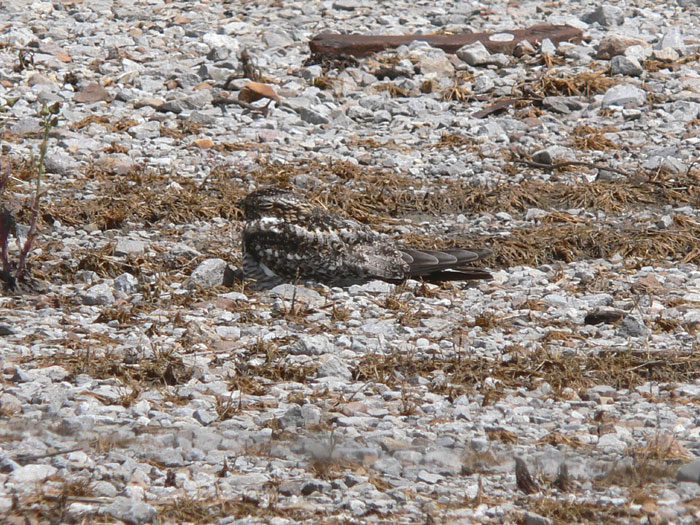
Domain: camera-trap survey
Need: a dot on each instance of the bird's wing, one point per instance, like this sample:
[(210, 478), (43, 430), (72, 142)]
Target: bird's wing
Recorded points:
[(428, 262)]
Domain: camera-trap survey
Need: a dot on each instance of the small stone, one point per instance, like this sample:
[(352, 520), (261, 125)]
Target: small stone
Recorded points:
[(613, 45), (126, 283), (347, 5), (624, 94), (91, 93), (474, 54), (129, 247), (667, 54), (333, 366), (672, 39), (632, 327), (32, 473), (622, 65), (535, 519), (60, 162), (98, 295), (429, 477), (131, 511), (212, 272), (547, 47), (372, 287), (298, 294), (605, 15), (553, 154), (205, 143), (205, 417), (689, 472)]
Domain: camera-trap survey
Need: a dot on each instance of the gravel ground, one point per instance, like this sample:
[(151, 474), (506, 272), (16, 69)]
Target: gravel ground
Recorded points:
[(137, 388)]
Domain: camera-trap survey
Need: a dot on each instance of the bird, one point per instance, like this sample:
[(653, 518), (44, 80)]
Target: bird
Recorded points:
[(286, 238), (523, 479), (563, 481)]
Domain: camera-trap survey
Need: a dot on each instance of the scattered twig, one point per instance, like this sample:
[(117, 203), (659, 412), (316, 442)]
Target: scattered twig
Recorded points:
[(29, 458), (566, 163)]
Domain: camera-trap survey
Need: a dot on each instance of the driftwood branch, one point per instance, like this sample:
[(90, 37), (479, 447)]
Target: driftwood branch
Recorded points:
[(332, 44)]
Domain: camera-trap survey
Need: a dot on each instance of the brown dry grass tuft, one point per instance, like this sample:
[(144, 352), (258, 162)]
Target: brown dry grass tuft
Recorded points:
[(201, 511), (589, 138), (466, 373), (80, 357), (562, 511), (553, 83)]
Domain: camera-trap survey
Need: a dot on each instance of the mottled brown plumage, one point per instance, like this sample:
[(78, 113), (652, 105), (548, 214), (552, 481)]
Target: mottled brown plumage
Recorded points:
[(523, 479), (563, 481), (286, 238)]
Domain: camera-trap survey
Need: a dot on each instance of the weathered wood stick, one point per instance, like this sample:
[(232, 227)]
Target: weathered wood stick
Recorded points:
[(333, 44)]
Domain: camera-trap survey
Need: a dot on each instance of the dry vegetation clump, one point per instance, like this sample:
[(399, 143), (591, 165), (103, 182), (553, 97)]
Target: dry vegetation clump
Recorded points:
[(562, 511), (80, 357), (553, 83), (466, 374), (589, 138), (211, 510), (651, 65), (145, 197)]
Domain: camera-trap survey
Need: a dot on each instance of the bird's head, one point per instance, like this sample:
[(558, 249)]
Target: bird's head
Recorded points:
[(275, 202)]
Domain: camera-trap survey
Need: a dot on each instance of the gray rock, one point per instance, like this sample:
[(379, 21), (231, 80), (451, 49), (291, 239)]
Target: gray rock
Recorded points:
[(312, 345), (347, 5), (211, 272), (32, 473), (605, 15), (372, 287), (332, 366), (300, 294), (672, 39), (689, 472), (60, 162), (547, 47), (553, 154), (292, 418), (205, 417), (129, 247), (633, 327), (624, 94), (98, 295), (666, 54), (429, 477), (312, 116), (131, 511), (315, 486), (431, 60), (535, 519), (622, 65), (26, 125), (474, 54), (126, 283)]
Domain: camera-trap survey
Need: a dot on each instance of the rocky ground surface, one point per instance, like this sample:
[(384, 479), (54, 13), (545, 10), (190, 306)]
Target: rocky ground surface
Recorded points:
[(136, 388)]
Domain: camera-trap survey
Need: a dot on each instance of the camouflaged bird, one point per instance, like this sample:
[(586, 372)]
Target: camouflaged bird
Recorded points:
[(286, 238)]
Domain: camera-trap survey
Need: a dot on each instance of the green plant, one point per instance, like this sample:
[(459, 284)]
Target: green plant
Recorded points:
[(11, 274)]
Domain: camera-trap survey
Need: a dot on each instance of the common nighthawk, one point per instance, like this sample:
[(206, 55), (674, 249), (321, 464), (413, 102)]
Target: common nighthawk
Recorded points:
[(287, 238)]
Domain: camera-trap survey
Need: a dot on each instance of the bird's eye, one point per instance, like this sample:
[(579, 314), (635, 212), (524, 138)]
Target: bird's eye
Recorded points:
[(265, 205)]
